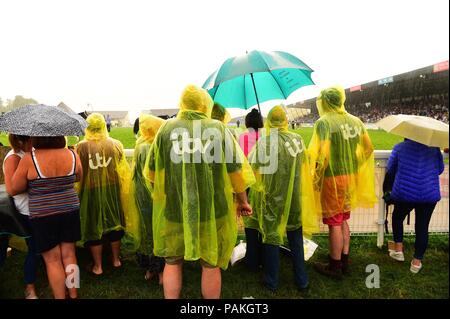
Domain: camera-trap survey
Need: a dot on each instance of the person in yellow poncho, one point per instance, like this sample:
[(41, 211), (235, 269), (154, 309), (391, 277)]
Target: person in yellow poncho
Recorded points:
[(196, 166), (105, 209), (282, 199), (221, 114), (141, 188), (343, 161)]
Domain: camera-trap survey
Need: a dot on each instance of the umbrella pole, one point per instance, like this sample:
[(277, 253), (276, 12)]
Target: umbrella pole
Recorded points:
[(256, 94)]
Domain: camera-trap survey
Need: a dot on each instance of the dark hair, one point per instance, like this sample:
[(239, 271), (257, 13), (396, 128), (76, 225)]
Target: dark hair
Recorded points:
[(47, 142), (17, 141), (136, 126), (254, 120)]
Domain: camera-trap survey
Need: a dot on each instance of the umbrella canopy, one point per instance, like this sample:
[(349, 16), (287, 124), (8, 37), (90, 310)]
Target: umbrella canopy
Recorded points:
[(421, 129), (42, 120), (256, 77)]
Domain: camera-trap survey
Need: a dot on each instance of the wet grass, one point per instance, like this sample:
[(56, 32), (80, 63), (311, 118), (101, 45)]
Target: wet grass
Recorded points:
[(396, 281)]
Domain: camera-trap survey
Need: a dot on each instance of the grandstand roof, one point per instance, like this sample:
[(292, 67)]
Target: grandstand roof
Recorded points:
[(421, 73)]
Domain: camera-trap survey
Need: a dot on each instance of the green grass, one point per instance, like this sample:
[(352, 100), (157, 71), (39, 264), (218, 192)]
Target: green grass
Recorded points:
[(123, 134), (396, 280), (380, 139)]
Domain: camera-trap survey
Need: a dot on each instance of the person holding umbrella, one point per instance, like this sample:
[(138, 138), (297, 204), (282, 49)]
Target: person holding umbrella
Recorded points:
[(48, 173), (414, 166), (194, 216), (343, 161), (105, 209), (282, 200)]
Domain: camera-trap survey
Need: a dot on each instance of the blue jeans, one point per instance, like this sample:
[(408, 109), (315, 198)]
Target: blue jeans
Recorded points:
[(423, 217), (31, 260), (272, 261)]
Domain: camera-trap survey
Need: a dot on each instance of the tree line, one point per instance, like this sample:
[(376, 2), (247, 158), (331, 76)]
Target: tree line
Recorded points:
[(18, 101)]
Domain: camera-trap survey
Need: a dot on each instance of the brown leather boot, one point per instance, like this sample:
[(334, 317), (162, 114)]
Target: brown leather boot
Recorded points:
[(345, 264), (333, 269)]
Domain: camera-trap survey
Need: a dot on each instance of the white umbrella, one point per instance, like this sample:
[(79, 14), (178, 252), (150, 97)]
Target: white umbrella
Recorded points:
[(422, 129)]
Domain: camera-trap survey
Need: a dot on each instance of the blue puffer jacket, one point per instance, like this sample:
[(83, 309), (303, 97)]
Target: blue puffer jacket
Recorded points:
[(417, 168)]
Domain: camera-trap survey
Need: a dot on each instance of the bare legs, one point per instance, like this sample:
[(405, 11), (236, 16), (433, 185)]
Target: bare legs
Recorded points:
[(115, 248), (211, 283), (172, 281), (96, 251), (173, 277), (339, 240), (336, 242), (69, 258), (346, 238), (56, 261)]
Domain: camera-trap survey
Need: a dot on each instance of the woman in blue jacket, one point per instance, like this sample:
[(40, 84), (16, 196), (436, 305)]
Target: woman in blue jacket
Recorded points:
[(416, 168)]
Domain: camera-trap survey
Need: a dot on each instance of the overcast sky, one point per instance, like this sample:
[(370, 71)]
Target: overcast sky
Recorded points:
[(133, 55)]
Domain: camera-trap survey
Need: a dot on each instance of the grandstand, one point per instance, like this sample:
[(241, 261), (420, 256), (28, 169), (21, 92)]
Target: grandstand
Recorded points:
[(421, 92)]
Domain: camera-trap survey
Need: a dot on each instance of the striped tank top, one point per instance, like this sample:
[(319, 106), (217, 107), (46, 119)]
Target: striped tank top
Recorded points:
[(52, 195)]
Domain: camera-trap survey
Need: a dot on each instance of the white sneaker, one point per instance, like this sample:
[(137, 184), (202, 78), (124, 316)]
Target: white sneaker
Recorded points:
[(415, 269), (30, 296), (397, 255)]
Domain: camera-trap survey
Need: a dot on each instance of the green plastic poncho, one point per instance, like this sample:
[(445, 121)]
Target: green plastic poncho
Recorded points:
[(282, 199), (140, 186), (105, 189), (342, 157), (196, 165)]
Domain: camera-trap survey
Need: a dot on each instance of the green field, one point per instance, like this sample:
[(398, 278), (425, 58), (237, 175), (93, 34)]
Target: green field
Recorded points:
[(381, 140), (396, 281)]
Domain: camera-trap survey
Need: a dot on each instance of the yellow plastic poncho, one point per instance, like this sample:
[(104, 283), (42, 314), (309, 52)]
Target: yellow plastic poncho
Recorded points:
[(105, 189), (342, 157), (140, 186), (282, 199), (220, 113), (196, 165)]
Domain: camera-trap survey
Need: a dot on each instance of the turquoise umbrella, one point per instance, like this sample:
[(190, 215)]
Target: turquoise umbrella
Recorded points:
[(256, 77)]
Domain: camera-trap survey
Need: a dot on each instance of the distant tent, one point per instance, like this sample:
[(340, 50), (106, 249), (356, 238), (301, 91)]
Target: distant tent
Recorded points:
[(66, 108)]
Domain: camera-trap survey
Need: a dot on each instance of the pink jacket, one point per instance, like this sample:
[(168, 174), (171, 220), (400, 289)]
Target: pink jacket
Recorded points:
[(247, 140)]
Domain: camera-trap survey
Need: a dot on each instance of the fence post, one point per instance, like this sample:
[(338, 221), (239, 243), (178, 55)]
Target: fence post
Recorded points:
[(381, 158)]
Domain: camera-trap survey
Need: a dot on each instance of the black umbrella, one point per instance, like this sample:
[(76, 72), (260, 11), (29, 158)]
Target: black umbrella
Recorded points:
[(42, 120)]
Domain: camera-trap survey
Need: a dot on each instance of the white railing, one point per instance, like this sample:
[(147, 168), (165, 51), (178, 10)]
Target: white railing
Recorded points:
[(371, 221)]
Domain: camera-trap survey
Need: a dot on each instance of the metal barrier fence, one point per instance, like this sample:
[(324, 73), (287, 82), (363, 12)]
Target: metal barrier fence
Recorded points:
[(371, 221)]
